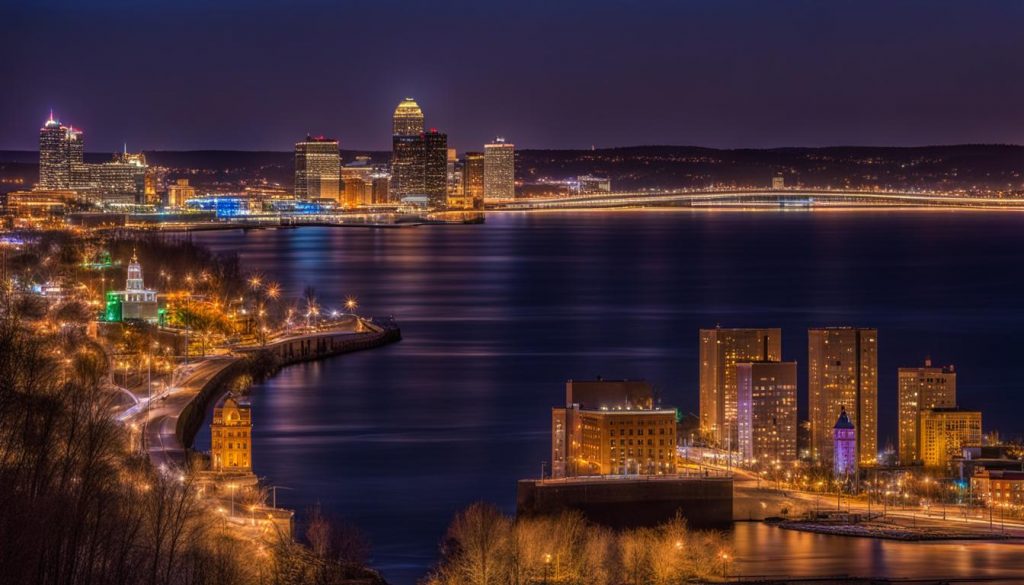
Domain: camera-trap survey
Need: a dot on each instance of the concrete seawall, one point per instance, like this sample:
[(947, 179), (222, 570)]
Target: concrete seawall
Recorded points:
[(628, 502), (285, 352)]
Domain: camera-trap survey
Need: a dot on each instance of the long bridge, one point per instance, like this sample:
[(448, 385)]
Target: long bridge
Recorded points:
[(765, 199)]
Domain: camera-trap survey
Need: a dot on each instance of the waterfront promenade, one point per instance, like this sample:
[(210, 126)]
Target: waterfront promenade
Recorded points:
[(164, 425)]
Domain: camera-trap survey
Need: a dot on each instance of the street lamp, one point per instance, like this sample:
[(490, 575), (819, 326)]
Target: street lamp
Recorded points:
[(547, 566)]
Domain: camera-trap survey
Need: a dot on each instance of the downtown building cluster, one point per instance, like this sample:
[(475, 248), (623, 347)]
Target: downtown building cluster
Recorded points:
[(64, 172), (748, 402), (424, 172)]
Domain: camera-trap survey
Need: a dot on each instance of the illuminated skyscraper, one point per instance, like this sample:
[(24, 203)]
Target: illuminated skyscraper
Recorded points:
[(473, 179), (408, 119), (921, 389), (720, 351), (767, 411), (843, 374), (407, 157), (317, 168), (60, 148), (499, 170), (435, 168)]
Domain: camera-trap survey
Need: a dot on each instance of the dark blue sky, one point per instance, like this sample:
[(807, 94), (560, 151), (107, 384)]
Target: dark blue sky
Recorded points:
[(258, 74)]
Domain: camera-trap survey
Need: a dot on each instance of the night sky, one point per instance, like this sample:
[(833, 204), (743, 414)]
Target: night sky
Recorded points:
[(258, 74)]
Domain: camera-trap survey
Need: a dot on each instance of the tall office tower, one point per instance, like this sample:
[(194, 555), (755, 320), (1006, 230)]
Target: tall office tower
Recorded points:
[(499, 170), (921, 389), (611, 427), (407, 158), (435, 168), (843, 373), (317, 168), (408, 151), (720, 351), (408, 119), (60, 148), (945, 432), (766, 393), (473, 179)]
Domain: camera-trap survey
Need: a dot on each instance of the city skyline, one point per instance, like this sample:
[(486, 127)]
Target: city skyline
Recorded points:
[(738, 74)]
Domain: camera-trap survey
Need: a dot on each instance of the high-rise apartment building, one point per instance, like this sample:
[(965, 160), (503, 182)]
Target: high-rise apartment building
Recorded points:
[(767, 411), (435, 168), (407, 168), (945, 432), (317, 169), (843, 373), (408, 119), (60, 148), (473, 179), (499, 170), (921, 389), (720, 351)]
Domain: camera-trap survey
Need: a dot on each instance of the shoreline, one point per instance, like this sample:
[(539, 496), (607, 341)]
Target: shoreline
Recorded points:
[(329, 344)]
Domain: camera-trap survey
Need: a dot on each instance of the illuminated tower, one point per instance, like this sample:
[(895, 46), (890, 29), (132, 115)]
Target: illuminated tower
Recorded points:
[(921, 389), (720, 351), (473, 179), (317, 168), (842, 372), (60, 148), (407, 168), (435, 168), (844, 445), (408, 119), (499, 170)]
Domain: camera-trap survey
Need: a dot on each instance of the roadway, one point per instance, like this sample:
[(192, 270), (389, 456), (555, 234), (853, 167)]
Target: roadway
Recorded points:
[(764, 198), (161, 442)]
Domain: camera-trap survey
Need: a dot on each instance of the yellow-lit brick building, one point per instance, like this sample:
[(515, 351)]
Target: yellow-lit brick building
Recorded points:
[(998, 486), (627, 442), (921, 389), (231, 435), (945, 432), (611, 427)]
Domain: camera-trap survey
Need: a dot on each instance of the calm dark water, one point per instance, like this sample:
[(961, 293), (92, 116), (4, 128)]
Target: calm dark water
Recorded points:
[(496, 318)]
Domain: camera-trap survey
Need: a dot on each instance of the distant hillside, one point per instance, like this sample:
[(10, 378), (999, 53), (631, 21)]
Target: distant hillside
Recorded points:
[(992, 168)]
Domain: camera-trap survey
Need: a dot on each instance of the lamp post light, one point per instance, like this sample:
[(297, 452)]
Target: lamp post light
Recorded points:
[(547, 566)]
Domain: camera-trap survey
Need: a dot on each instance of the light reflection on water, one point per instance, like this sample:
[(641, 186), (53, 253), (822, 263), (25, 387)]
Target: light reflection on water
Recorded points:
[(496, 317), (763, 550)]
